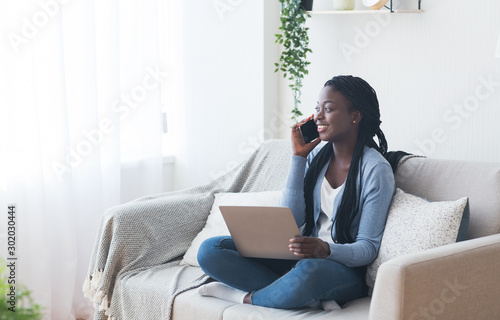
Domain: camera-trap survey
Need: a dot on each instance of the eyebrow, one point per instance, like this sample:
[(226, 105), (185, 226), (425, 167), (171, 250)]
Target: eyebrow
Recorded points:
[(327, 101)]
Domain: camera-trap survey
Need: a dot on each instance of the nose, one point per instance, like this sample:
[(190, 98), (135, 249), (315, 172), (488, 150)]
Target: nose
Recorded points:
[(319, 114)]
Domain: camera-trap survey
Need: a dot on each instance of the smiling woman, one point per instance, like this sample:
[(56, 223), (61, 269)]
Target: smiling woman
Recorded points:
[(339, 194)]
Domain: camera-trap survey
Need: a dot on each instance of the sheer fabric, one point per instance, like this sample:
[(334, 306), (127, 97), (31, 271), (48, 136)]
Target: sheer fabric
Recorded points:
[(80, 131)]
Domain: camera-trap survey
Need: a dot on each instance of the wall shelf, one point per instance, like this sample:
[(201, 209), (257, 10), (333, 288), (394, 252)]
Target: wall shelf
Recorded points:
[(368, 11), (363, 12)]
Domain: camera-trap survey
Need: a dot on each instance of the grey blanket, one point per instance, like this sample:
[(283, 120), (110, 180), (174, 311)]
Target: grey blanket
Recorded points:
[(134, 271)]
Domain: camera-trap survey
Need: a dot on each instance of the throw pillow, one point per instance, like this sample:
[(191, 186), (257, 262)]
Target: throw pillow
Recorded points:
[(415, 224), (215, 225), (463, 231)]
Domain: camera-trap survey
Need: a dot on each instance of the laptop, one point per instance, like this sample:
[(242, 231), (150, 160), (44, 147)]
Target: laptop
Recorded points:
[(261, 232)]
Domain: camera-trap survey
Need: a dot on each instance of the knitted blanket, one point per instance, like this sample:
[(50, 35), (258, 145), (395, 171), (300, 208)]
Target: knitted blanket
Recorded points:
[(134, 271)]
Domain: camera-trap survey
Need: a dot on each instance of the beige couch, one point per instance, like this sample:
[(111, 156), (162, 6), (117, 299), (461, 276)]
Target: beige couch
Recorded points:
[(457, 281)]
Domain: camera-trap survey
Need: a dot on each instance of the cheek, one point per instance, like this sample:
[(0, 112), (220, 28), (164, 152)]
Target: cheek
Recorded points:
[(330, 118)]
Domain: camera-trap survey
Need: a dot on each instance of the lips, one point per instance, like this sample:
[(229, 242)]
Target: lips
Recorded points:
[(322, 127)]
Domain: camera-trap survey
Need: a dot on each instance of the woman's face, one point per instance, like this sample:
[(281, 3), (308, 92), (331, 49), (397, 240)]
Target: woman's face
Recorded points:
[(334, 116)]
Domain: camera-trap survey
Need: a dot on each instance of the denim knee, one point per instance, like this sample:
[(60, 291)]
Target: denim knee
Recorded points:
[(347, 283), (312, 274), (309, 281), (207, 250)]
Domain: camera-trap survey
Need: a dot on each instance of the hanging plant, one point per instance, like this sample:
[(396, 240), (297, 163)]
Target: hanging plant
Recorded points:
[(293, 60)]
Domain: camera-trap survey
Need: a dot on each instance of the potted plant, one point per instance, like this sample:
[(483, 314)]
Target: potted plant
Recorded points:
[(295, 40), (16, 302)]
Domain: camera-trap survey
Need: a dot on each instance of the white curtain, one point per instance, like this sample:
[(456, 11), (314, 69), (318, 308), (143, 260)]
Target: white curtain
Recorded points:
[(80, 131)]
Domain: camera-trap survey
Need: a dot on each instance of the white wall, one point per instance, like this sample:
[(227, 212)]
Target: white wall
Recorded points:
[(429, 70), (222, 114)]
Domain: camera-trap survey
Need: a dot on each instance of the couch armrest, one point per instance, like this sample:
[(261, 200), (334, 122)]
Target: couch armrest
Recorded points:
[(457, 281)]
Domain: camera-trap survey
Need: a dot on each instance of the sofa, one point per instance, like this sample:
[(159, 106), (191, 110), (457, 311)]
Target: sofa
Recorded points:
[(136, 270)]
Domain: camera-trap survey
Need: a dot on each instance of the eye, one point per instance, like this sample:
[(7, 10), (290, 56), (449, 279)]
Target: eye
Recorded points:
[(328, 109), (316, 108)]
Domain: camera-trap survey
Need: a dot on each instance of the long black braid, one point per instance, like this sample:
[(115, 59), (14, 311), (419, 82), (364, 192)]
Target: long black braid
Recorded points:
[(363, 99)]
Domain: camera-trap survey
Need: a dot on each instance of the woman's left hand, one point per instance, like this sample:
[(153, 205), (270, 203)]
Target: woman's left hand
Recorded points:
[(309, 247)]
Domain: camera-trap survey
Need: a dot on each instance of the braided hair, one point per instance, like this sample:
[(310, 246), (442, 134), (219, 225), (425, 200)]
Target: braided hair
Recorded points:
[(364, 99)]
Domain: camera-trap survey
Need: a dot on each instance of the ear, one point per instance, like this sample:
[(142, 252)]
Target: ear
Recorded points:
[(356, 116)]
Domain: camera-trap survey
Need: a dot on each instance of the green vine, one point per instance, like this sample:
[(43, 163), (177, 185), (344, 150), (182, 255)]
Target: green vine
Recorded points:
[(295, 40)]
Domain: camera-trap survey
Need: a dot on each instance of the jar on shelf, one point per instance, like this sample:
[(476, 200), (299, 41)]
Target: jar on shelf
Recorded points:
[(343, 4)]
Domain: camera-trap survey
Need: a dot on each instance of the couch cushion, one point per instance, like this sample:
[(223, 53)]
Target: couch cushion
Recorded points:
[(447, 180), (354, 310), (190, 305)]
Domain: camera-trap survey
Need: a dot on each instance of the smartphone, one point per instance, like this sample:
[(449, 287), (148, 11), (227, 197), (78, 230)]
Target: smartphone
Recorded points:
[(309, 131)]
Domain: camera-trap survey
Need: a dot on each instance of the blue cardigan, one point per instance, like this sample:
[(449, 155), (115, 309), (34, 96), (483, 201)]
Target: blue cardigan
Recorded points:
[(368, 225)]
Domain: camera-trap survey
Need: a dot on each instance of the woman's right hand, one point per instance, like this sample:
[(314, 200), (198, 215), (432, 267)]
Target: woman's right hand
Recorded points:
[(298, 146)]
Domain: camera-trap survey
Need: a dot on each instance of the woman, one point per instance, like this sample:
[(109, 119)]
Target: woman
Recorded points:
[(341, 205)]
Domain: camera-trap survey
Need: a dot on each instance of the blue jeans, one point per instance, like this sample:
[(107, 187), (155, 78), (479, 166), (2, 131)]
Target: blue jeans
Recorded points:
[(283, 284)]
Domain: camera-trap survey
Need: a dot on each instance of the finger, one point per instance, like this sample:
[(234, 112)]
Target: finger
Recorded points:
[(296, 250), (296, 131), (298, 239), (316, 141), (302, 239), (302, 247), (302, 250), (301, 255), (299, 246), (308, 118), (305, 120)]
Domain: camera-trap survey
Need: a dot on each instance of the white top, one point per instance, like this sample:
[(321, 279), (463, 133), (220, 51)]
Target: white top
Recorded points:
[(325, 222)]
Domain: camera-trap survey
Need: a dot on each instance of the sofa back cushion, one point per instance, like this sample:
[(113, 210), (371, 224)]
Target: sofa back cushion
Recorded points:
[(447, 180)]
